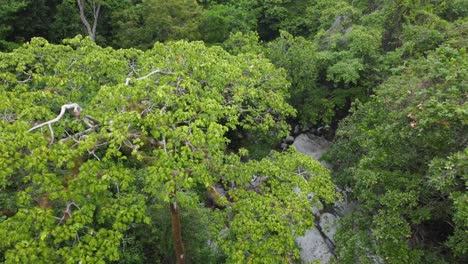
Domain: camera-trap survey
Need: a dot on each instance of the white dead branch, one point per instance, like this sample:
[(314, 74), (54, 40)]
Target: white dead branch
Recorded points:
[(76, 108)]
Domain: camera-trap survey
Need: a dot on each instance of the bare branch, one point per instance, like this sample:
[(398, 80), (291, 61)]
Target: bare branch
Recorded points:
[(128, 79), (78, 134), (96, 16), (67, 213), (117, 186), (51, 134), (164, 144), (154, 72), (94, 154), (72, 63), (28, 79), (88, 124), (92, 119), (76, 108)]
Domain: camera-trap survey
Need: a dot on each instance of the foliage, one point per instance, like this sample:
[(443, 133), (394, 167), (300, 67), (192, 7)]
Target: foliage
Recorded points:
[(410, 172), (151, 127), (219, 21), (142, 23), (21, 20), (325, 82), (265, 221), (239, 43), (66, 22), (167, 123)]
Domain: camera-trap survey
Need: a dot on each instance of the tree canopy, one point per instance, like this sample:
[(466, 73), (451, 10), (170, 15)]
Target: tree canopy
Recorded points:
[(136, 125), (136, 131)]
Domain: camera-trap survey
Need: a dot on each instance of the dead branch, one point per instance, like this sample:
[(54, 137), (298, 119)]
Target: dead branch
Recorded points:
[(76, 108), (67, 213), (128, 79), (26, 80), (79, 134), (154, 72)]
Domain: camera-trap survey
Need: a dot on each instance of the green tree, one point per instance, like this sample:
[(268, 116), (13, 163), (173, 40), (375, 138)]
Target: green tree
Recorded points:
[(144, 22), (21, 20), (136, 128), (219, 21), (408, 168)]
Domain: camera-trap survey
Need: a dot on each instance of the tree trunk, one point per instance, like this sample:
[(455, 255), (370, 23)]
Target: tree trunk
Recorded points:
[(96, 10), (177, 234)]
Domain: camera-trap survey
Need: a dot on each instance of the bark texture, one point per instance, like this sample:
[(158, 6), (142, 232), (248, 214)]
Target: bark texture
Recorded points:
[(177, 234)]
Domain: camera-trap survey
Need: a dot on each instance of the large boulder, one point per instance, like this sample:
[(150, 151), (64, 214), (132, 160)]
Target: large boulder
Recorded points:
[(312, 145), (313, 247), (328, 225)]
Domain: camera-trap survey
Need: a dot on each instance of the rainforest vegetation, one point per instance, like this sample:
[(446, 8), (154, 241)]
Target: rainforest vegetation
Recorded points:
[(149, 131)]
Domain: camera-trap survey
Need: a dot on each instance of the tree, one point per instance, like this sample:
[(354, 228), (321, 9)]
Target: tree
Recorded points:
[(217, 22), (92, 136), (23, 19), (96, 9), (408, 168), (143, 23)]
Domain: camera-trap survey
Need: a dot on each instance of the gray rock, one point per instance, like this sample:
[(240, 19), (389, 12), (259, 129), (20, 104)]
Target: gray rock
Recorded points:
[(297, 129), (316, 209), (345, 206), (313, 247), (289, 139), (328, 225), (313, 146), (318, 244)]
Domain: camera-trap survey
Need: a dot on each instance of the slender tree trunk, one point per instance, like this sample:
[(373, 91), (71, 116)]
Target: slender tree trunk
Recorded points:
[(177, 233), (84, 20)]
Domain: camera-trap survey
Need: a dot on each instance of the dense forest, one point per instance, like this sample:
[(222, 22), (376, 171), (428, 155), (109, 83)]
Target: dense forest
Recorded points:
[(160, 131)]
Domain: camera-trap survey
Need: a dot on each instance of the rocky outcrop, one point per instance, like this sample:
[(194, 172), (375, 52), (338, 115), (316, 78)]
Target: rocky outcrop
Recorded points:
[(317, 244), (313, 247), (312, 145), (327, 224)]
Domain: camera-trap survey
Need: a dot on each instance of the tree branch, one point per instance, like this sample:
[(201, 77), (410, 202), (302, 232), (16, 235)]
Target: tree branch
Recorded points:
[(85, 21), (128, 79), (76, 108), (154, 72), (28, 79), (67, 213), (96, 16)]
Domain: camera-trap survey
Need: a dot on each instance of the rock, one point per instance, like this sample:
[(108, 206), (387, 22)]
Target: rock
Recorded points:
[(297, 130), (315, 209), (305, 128), (313, 247), (346, 206), (328, 225), (313, 146), (316, 205), (318, 243), (220, 190), (257, 181), (289, 139)]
